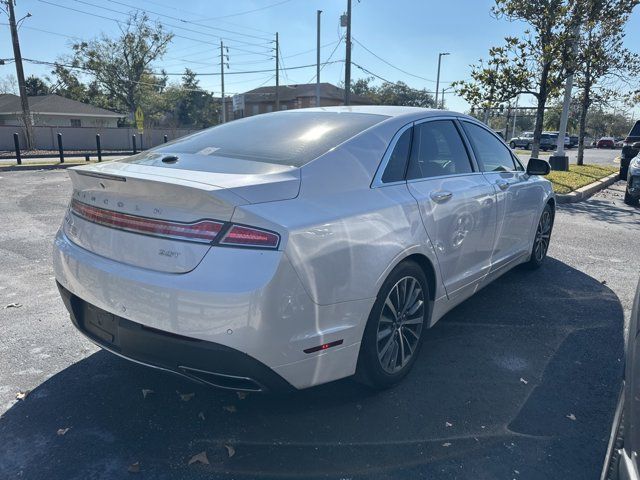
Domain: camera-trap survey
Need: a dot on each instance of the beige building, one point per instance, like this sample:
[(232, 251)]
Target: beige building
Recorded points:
[(56, 111), (263, 99)]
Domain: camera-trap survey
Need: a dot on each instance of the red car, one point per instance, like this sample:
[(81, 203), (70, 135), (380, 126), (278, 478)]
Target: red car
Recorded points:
[(606, 142)]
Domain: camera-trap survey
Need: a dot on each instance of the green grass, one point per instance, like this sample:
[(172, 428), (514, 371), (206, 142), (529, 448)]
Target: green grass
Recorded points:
[(578, 176), (519, 151)]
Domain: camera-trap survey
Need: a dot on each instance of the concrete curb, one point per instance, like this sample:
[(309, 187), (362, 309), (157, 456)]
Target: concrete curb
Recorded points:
[(45, 166), (588, 190)]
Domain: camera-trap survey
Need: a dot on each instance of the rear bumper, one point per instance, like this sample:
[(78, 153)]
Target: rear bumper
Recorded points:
[(198, 360)]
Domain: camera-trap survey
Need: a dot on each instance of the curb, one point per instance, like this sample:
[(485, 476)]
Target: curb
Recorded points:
[(52, 166), (585, 192)]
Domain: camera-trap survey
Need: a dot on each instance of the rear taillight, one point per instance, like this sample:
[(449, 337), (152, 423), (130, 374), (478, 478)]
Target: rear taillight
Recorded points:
[(243, 236), (204, 231)]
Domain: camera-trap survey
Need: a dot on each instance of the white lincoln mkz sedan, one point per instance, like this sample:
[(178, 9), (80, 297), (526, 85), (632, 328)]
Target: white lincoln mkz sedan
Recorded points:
[(291, 249)]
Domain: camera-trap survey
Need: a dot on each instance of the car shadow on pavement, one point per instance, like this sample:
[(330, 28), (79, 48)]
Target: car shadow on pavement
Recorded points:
[(519, 381)]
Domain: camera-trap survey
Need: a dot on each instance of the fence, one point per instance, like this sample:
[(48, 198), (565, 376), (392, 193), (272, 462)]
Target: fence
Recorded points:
[(84, 138)]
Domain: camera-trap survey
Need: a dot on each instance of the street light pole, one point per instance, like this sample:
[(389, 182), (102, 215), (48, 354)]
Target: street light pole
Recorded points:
[(347, 62), (22, 88), (440, 55)]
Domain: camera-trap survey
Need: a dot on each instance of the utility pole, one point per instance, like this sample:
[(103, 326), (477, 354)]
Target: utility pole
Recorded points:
[(515, 115), (440, 55), (277, 74), (318, 60), (347, 66), (224, 107), (26, 115), (442, 104)]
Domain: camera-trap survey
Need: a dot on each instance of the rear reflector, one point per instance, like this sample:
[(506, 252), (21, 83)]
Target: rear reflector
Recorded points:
[(242, 236), (324, 346), (204, 231)]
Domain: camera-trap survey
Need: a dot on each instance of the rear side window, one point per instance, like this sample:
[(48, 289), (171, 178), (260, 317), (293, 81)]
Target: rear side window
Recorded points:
[(437, 150), (397, 164), (293, 139), (635, 131), (491, 153)]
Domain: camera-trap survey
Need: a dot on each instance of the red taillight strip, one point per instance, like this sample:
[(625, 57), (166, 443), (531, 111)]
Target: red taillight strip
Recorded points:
[(202, 231), (243, 236)]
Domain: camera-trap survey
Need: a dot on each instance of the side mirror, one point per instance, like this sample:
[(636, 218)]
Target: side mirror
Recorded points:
[(537, 166), (636, 145)]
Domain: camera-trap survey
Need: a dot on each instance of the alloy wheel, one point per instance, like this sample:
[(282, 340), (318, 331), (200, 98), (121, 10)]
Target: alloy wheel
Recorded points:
[(543, 234), (400, 324)]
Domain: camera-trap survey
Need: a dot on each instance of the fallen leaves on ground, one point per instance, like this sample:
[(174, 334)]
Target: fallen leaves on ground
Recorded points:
[(199, 458), (447, 424), (446, 444), (523, 380), (13, 305), (242, 395), (201, 415), (134, 468), (230, 450), (571, 416), (62, 431), (21, 395), (230, 408), (146, 391), (185, 397)]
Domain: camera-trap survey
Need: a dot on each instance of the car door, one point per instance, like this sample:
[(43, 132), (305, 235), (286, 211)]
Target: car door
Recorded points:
[(518, 196), (456, 203)]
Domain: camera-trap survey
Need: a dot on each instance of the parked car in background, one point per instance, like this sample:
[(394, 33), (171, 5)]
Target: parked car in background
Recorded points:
[(567, 140), (573, 141), (619, 142), (526, 141), (632, 192), (621, 460), (322, 248), (606, 142), (629, 151)]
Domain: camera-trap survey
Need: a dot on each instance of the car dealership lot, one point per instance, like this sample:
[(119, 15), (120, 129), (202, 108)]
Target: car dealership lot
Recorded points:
[(518, 382)]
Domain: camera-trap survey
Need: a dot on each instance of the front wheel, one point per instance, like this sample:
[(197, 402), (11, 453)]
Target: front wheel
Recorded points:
[(512, 145), (542, 238), (394, 331)]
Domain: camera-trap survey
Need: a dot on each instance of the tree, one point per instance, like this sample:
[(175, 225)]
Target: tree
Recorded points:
[(188, 105), (536, 64), (398, 93), (36, 86), (601, 54), (9, 84), (121, 67)]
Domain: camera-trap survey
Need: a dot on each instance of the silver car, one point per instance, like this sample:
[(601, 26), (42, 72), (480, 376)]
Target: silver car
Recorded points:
[(290, 249), (632, 191)]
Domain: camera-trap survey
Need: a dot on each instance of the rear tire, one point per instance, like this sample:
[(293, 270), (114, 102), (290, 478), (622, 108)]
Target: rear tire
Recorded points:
[(624, 171), (512, 145), (631, 200), (527, 146), (395, 328), (542, 238)]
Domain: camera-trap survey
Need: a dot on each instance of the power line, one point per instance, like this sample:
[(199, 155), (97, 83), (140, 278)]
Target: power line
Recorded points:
[(313, 49), (329, 58), (393, 66), (248, 11)]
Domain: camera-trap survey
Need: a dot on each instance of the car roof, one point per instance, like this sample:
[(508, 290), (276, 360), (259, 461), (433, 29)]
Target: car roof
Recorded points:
[(387, 110)]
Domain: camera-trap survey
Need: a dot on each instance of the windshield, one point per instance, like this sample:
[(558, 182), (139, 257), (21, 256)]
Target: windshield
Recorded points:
[(635, 131), (292, 138)]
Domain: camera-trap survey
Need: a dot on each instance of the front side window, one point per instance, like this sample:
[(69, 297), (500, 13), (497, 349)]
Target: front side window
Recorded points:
[(491, 153), (437, 150), (398, 160)]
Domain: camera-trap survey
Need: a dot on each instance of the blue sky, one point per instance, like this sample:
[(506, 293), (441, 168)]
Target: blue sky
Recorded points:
[(408, 34)]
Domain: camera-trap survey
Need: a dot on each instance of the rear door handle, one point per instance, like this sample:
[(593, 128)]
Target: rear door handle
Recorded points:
[(440, 196), (502, 184)]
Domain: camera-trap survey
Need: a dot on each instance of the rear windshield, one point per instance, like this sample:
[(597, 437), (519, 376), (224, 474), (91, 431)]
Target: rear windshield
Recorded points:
[(635, 131), (292, 138)]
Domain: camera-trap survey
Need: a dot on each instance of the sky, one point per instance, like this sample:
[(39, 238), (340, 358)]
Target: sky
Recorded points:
[(394, 40)]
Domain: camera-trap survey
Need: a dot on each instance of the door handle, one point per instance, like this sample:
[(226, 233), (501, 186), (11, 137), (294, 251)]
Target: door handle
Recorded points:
[(440, 196), (502, 184)]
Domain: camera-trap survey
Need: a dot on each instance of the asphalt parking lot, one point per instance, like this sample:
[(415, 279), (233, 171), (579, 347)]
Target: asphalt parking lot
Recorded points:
[(518, 382)]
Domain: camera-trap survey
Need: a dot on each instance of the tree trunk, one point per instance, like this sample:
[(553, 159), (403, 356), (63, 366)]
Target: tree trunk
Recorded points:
[(542, 100), (584, 108)]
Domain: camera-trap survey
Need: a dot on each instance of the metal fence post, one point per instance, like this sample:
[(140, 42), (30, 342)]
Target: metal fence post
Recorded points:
[(98, 148), (60, 151), (135, 147), (165, 138), (16, 143), (86, 157)]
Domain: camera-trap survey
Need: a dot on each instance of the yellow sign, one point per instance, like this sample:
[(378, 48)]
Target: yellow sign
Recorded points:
[(139, 119)]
